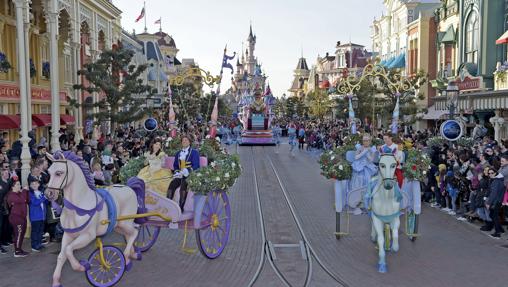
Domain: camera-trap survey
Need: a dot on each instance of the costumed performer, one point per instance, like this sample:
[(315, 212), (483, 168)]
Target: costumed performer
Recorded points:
[(399, 155), (292, 137), (186, 161), (155, 177), (277, 133), (363, 169)]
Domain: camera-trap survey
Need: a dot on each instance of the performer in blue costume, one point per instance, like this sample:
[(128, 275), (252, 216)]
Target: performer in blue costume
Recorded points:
[(362, 162), (292, 137), (277, 134), (186, 161)]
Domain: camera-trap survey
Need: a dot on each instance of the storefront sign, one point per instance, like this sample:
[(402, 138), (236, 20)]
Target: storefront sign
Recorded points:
[(11, 92), (466, 81)]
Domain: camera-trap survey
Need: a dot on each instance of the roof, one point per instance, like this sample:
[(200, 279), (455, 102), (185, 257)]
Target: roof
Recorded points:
[(350, 44), (302, 64), (165, 39)]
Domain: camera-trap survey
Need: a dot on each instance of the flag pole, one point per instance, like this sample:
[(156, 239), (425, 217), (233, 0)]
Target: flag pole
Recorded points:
[(160, 24), (144, 8)]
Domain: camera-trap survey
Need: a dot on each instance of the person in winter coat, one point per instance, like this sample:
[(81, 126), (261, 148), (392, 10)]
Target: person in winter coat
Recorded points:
[(493, 202), (17, 199), (37, 215)]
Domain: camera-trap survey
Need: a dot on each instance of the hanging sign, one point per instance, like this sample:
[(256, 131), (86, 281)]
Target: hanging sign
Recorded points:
[(451, 130)]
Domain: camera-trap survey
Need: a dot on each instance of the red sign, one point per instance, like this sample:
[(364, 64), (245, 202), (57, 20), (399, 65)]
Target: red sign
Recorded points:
[(467, 82), (11, 92)]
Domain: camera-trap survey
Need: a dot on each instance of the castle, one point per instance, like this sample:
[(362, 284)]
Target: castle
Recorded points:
[(248, 74)]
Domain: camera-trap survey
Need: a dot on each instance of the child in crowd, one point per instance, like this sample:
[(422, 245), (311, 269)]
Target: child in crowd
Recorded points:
[(17, 199), (453, 191), (37, 215), (98, 175)]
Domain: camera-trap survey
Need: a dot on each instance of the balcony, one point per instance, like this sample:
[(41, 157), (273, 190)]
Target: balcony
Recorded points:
[(500, 80)]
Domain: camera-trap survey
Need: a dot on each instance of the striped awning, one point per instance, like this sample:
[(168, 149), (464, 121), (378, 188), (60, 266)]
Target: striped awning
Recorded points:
[(503, 39), (441, 104), (485, 100), (490, 102)]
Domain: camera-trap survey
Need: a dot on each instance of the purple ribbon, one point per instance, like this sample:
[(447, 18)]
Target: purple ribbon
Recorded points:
[(82, 212)]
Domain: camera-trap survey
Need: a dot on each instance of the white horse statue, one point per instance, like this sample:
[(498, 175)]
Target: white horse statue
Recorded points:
[(384, 199), (85, 207)]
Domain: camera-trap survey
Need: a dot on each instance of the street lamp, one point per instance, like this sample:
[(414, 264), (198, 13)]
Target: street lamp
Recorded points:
[(354, 101), (452, 97)]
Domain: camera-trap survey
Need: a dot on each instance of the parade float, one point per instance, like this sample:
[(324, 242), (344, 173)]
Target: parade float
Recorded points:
[(256, 117), (138, 213), (375, 190)]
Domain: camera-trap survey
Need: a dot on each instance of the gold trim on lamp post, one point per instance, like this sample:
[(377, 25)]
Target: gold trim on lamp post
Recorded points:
[(207, 77)]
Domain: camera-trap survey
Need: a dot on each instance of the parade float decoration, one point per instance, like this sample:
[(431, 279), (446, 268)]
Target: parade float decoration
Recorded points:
[(89, 213), (256, 117), (380, 197)]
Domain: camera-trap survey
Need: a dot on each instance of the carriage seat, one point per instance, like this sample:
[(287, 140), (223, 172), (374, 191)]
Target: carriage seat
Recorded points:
[(170, 160)]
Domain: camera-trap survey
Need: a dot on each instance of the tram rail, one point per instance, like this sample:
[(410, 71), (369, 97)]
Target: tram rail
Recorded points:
[(266, 251)]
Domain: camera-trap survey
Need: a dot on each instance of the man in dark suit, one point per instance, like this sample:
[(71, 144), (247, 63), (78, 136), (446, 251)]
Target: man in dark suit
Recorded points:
[(186, 161)]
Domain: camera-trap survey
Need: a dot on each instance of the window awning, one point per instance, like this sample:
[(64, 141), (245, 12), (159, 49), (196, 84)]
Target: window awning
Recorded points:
[(503, 39), (389, 62), (67, 120), (449, 36), (8, 122), (398, 62), (42, 120)]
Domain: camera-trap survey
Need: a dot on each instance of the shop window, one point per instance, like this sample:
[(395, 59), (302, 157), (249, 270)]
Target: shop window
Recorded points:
[(472, 38)]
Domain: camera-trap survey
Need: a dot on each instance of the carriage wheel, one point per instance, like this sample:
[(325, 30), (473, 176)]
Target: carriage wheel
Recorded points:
[(215, 224), (412, 225), (388, 237), (102, 276), (147, 236)]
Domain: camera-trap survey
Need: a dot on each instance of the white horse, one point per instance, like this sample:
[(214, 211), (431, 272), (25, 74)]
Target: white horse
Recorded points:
[(385, 202), (84, 209)]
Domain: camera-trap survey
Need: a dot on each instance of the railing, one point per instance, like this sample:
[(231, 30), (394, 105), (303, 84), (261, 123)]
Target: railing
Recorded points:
[(501, 80)]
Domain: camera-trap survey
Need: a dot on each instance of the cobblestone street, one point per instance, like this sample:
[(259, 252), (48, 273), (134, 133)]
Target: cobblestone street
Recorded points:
[(448, 253)]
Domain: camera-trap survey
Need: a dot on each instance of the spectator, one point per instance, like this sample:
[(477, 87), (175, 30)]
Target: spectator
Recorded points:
[(17, 200), (37, 215), (493, 202)]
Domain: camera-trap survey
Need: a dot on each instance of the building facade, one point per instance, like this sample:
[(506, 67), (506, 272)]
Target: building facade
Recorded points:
[(390, 32), (478, 60), (300, 80), (348, 59), (82, 29)]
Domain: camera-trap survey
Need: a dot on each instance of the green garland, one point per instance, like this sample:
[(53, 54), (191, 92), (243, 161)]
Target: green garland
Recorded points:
[(210, 148), (335, 166), (436, 141), (416, 166), (172, 145), (465, 142), (220, 174), (132, 168)]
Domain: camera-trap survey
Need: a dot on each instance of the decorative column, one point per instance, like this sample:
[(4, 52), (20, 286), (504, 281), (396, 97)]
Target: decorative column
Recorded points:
[(52, 18), (497, 122), (22, 58), (27, 53), (78, 112)]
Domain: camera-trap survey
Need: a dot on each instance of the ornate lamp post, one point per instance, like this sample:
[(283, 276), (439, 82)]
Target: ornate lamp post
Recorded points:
[(452, 97)]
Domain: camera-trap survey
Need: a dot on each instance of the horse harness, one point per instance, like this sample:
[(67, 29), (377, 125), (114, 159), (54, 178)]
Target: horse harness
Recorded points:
[(105, 197)]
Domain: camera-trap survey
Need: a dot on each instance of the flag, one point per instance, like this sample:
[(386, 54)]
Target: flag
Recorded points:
[(225, 59), (141, 15), (158, 21)]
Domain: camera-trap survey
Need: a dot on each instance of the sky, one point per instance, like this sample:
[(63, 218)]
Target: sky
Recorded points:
[(285, 30)]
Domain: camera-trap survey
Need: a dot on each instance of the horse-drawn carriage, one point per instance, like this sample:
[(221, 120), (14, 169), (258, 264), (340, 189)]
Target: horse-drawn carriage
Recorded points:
[(90, 214), (383, 200)]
